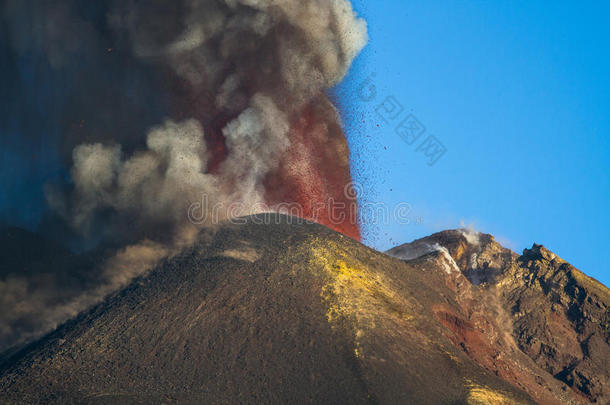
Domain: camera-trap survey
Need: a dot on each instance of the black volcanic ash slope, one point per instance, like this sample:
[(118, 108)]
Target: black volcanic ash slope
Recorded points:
[(280, 313), (38, 280)]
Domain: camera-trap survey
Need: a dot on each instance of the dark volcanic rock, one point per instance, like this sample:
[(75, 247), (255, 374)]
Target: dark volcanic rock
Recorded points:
[(561, 320), (478, 255), (534, 319), (276, 313)]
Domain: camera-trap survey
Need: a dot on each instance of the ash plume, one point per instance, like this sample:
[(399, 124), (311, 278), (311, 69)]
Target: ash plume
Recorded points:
[(246, 69), (147, 107)]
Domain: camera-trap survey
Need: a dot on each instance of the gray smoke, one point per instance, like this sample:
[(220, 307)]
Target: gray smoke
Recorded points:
[(144, 94), (257, 61)]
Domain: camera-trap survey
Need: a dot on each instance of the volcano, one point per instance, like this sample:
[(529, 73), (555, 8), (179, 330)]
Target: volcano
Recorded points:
[(274, 309)]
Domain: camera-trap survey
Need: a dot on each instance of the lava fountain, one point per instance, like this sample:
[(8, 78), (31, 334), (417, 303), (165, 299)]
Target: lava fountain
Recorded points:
[(248, 121)]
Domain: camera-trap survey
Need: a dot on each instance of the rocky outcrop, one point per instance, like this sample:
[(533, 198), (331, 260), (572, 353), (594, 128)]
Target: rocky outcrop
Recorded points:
[(479, 257), (533, 319), (561, 320)]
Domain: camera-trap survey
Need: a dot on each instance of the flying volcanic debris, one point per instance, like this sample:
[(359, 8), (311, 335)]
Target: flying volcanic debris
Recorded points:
[(248, 124)]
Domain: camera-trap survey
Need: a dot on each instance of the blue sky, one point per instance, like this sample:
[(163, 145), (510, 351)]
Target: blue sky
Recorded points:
[(519, 95)]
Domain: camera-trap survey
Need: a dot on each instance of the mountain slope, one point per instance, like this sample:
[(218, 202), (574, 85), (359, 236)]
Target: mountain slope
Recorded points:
[(38, 280), (268, 313), (561, 320), (544, 324)]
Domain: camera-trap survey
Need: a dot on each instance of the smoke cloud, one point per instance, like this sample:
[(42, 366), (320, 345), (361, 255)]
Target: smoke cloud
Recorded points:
[(150, 106), (247, 70)]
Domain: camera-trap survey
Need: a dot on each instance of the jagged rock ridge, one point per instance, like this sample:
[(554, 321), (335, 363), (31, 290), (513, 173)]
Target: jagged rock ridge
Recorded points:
[(546, 324)]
